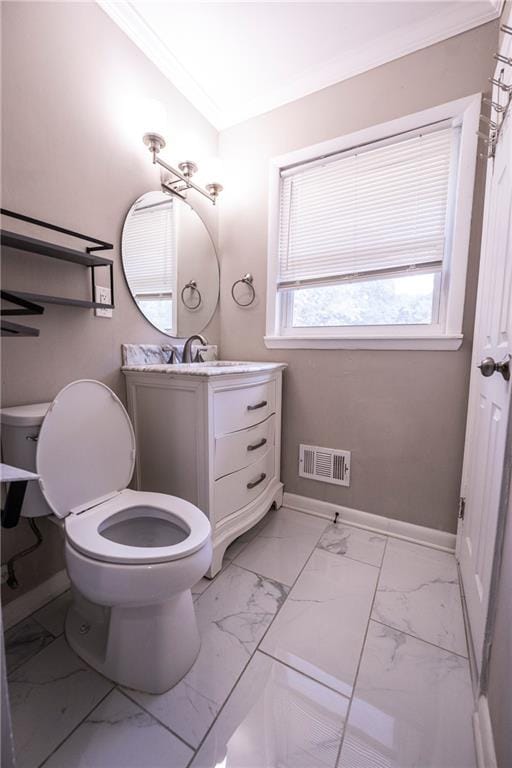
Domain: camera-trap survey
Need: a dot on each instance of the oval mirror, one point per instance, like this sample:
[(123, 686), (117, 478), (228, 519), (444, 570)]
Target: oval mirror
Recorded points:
[(170, 264)]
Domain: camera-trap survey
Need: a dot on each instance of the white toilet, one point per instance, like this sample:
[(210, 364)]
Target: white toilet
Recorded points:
[(132, 556)]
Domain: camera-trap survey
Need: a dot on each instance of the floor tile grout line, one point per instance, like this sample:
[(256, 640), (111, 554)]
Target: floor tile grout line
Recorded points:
[(300, 672), (72, 731), (32, 614), (115, 687), (31, 658), (203, 739), (223, 567), (316, 548), (230, 562), (363, 645), (9, 669), (43, 626), (153, 716), (258, 645), (348, 557), (260, 575), (292, 586), (419, 639)]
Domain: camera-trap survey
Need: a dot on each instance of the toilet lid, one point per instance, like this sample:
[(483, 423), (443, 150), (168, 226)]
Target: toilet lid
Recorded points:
[(86, 447)]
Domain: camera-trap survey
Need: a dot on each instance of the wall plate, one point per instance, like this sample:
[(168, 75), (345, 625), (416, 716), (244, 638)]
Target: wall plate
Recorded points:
[(103, 296)]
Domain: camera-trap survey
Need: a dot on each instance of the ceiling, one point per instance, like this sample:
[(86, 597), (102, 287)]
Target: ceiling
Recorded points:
[(235, 60)]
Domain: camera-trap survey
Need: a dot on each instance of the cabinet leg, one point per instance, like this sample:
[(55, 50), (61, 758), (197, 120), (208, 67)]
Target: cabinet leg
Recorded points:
[(278, 500), (217, 558)]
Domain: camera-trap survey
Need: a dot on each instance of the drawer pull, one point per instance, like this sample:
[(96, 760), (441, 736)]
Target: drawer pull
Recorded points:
[(256, 482), (258, 405), (255, 446)]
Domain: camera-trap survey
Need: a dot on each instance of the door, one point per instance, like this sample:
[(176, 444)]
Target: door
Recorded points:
[(489, 397)]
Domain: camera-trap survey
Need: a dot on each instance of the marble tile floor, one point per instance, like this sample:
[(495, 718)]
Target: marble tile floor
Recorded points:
[(323, 646)]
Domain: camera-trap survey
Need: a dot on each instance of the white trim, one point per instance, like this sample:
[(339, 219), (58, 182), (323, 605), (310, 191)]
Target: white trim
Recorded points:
[(449, 343), (398, 529), (466, 112), (484, 739), (446, 23), (129, 19), (31, 601)]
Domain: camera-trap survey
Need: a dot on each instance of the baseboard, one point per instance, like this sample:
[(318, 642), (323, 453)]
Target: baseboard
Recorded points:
[(484, 739), (418, 534), (23, 606)]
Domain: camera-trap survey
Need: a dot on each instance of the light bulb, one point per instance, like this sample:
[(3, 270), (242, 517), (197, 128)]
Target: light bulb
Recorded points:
[(212, 170), (154, 115)]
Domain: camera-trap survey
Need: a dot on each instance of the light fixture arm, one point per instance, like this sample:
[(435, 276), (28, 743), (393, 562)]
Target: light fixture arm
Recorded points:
[(155, 143), (181, 177)]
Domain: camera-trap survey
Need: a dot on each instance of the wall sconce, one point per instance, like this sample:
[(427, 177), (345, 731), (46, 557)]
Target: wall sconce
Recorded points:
[(183, 174)]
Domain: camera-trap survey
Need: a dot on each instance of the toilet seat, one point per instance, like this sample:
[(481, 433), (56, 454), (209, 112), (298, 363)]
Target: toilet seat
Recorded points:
[(83, 530), (85, 448), (85, 459)]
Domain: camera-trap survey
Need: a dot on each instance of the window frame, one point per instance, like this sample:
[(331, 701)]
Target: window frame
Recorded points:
[(446, 334)]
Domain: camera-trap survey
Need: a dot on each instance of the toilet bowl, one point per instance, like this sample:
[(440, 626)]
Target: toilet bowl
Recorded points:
[(132, 556)]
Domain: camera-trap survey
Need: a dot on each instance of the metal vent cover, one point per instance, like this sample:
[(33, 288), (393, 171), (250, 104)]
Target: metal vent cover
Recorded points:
[(328, 465)]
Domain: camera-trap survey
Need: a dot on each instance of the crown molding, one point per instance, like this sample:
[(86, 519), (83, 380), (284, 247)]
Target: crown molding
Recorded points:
[(498, 6), (453, 21), (153, 46)]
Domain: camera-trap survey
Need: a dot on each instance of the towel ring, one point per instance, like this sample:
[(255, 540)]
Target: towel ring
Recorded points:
[(192, 285), (246, 280)]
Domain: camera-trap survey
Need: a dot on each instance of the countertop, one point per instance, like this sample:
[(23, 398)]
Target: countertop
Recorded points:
[(214, 368)]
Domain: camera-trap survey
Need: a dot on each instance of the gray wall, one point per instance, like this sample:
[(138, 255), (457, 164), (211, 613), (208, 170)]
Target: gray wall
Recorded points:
[(73, 85), (402, 414)]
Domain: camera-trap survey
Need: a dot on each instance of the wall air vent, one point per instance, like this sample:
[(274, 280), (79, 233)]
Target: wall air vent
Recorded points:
[(325, 464)]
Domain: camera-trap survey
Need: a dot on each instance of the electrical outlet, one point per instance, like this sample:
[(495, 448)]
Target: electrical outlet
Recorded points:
[(103, 297), (4, 574)]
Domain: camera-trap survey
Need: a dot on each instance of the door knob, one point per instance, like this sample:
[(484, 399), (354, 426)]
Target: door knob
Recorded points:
[(488, 367)]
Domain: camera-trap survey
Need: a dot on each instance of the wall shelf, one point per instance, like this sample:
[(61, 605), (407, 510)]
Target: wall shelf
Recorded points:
[(15, 329), (32, 245), (30, 303), (44, 299)]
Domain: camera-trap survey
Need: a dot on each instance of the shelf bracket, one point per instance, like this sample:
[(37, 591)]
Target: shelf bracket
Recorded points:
[(15, 329), (27, 307)]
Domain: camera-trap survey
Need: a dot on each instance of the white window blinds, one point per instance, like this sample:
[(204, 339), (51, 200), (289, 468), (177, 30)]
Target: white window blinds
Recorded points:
[(372, 210), (149, 245)]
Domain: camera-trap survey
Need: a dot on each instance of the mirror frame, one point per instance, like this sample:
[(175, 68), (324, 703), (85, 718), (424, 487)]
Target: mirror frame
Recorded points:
[(183, 200)]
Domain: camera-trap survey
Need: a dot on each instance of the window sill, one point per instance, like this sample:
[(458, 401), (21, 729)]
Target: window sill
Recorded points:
[(445, 342)]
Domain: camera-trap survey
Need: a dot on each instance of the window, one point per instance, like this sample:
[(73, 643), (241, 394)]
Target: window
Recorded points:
[(369, 235)]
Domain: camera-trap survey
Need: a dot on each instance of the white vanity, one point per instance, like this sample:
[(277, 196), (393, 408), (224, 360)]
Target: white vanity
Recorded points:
[(210, 433)]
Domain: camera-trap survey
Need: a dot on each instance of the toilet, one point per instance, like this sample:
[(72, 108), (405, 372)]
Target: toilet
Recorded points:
[(132, 556)]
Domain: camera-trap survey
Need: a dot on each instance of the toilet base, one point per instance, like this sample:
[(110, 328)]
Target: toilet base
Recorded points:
[(149, 648)]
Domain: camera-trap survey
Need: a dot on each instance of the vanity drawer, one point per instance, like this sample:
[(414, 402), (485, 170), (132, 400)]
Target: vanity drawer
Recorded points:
[(234, 491), (240, 449), (240, 408)]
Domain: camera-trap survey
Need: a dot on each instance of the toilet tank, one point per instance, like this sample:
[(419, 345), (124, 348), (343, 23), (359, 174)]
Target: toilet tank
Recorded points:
[(20, 429)]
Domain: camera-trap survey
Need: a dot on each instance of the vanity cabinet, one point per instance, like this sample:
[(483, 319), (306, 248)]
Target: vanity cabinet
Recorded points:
[(211, 438)]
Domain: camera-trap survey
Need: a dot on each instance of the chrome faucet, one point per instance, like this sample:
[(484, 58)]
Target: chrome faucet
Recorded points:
[(187, 349)]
